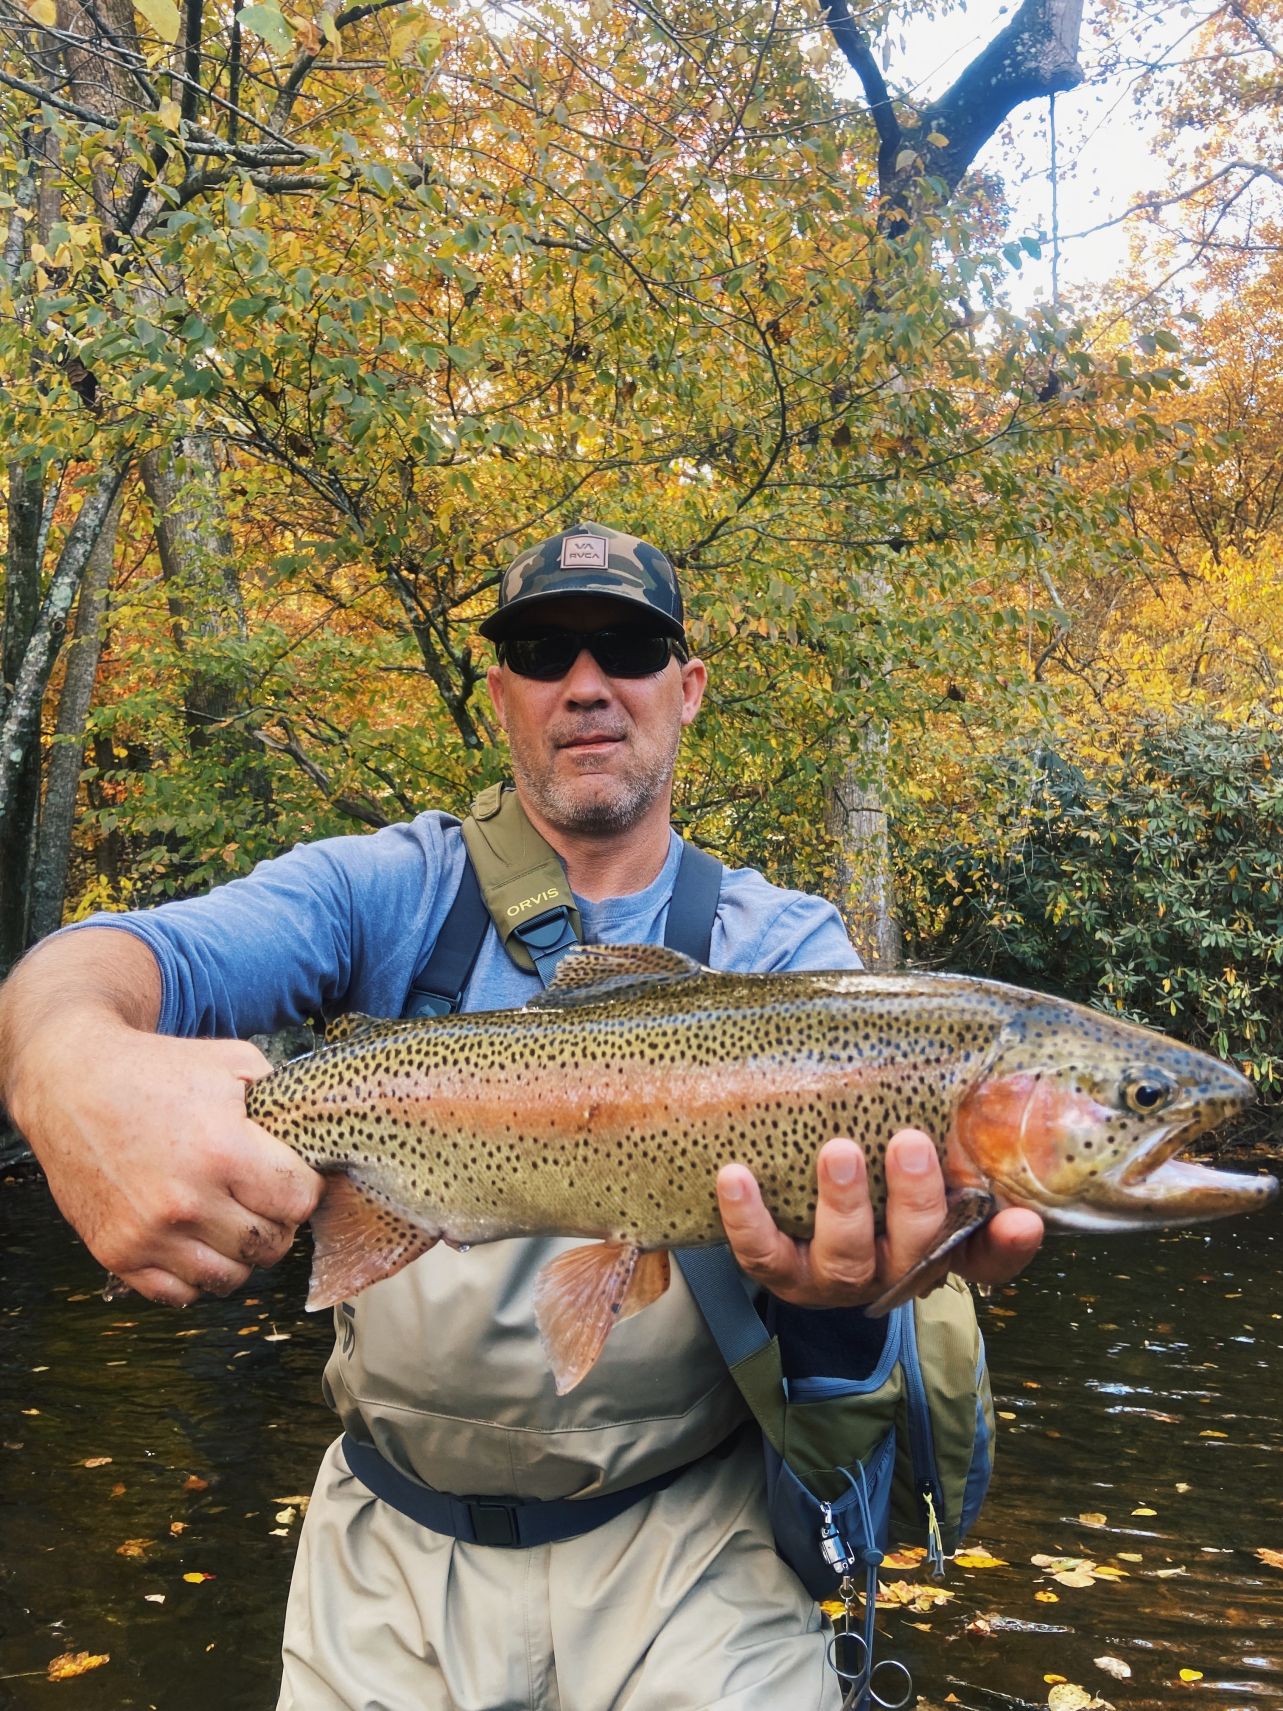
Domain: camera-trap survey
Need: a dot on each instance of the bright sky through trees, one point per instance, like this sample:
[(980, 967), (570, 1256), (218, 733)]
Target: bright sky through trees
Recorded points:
[(1105, 139)]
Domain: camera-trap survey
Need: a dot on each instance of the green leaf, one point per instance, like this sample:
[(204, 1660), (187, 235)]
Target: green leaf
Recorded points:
[(267, 22)]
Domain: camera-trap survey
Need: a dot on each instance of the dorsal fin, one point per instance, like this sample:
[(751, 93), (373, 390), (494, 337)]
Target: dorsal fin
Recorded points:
[(344, 1030), (594, 973)]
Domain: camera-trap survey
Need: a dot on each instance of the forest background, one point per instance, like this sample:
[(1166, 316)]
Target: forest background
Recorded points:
[(312, 316)]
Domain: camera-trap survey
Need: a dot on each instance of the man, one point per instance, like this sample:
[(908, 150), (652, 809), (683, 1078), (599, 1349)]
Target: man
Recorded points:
[(675, 1600)]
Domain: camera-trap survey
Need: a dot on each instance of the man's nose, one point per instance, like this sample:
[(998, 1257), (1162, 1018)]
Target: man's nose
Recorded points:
[(586, 681)]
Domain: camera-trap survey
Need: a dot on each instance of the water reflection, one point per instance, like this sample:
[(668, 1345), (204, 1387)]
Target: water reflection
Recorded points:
[(1139, 1381)]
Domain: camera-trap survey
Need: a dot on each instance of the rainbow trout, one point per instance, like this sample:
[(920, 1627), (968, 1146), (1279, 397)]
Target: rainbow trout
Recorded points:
[(606, 1106)]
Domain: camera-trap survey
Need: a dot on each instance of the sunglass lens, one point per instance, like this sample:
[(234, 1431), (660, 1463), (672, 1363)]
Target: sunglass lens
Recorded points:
[(629, 653), (619, 653)]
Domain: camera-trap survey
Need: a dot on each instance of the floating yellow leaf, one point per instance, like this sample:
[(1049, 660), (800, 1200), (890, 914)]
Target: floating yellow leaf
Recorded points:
[(1107, 1571), (1191, 1675), (1070, 1697), (919, 1598), (300, 1503), (1047, 1597), (96, 1461), (1093, 1518), (1213, 1434), (908, 1558), (1053, 1679), (1143, 1511), (1130, 1556), (1075, 1577), (134, 1547), (195, 1577), (177, 1527), (194, 1482), (283, 1517), (979, 1559), (76, 1663), (1273, 1558), (1182, 1487), (1005, 1416)]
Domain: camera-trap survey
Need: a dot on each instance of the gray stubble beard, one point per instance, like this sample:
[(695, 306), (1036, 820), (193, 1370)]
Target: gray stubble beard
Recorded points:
[(635, 795)]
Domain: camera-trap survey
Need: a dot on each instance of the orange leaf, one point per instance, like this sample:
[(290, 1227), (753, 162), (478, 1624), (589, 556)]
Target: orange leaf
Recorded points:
[(1273, 1558), (76, 1663)]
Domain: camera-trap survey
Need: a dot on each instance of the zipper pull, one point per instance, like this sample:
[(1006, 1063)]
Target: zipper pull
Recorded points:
[(935, 1539)]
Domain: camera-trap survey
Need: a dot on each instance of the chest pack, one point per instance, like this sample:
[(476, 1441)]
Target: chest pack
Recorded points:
[(874, 1433)]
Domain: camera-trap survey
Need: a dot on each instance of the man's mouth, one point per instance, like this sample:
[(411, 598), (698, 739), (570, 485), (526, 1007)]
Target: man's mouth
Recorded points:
[(592, 742)]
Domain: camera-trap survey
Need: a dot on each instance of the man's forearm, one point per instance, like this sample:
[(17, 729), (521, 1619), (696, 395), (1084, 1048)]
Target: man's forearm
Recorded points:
[(79, 981)]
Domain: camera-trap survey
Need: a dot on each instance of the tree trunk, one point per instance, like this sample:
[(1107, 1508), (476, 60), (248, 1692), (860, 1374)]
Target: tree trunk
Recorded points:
[(197, 561), (856, 819), (21, 612), (1034, 56), (20, 726), (62, 773)]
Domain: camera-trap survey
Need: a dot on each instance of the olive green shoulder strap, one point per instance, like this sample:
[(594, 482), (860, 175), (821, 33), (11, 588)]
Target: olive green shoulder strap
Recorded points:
[(523, 884)]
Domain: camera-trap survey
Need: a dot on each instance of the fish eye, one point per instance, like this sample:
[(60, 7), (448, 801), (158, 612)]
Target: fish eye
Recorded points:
[(1145, 1091)]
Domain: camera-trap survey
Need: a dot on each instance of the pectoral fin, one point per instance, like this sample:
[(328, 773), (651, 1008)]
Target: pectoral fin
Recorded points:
[(583, 1292), (969, 1208), (358, 1239)]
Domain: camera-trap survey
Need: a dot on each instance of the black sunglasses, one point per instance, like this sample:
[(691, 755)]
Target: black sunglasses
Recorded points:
[(549, 654)]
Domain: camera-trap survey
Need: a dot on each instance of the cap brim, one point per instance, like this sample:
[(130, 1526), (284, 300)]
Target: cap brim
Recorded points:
[(501, 623)]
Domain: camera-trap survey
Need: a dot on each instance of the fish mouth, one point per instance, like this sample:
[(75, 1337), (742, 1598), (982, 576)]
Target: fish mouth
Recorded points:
[(1157, 1186), (1204, 1110)]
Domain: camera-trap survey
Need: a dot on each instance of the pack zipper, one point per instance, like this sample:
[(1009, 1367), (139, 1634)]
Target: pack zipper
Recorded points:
[(926, 1475)]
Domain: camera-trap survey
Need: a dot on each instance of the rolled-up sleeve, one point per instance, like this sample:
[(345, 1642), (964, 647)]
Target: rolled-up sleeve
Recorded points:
[(327, 927)]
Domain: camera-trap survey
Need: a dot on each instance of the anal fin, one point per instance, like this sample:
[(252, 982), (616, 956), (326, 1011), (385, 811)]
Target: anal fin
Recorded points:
[(969, 1208), (359, 1239), (582, 1293)]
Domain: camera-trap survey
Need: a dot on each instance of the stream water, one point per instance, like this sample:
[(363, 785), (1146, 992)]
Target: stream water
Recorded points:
[(150, 1463)]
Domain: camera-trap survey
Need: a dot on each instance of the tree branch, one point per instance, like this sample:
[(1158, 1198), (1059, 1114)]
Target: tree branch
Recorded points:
[(858, 54)]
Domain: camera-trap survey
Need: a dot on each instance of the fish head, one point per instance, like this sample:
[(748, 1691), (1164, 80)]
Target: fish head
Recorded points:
[(1081, 1117)]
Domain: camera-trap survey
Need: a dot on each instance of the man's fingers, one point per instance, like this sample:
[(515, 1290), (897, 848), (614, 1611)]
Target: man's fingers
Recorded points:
[(1003, 1248), (768, 1256), (843, 1255), (916, 1201), (160, 1286)]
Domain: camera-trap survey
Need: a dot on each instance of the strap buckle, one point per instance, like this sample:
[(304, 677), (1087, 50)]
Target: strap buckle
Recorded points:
[(548, 937), (423, 1003), (493, 1522)]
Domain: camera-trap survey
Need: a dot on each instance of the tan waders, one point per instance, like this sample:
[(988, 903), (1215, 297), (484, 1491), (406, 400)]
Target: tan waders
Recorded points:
[(678, 1604)]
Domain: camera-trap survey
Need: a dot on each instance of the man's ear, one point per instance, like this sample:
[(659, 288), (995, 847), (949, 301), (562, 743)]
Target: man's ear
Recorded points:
[(494, 683), (694, 683)]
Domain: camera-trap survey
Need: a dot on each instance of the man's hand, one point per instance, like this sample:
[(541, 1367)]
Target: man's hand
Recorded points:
[(846, 1263), (144, 1138), (153, 1160)]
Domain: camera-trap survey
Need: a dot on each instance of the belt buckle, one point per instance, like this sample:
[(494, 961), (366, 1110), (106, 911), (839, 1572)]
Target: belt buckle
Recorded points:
[(493, 1523)]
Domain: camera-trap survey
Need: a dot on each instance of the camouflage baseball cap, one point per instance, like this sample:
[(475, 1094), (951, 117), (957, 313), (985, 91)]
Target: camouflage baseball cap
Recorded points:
[(588, 559)]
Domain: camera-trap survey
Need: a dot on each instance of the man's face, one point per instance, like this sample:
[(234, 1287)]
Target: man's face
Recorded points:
[(594, 753)]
